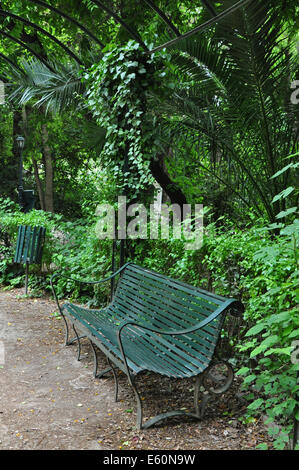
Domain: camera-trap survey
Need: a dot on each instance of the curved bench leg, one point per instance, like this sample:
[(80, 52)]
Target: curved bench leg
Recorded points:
[(95, 368), (205, 397), (139, 416), (160, 417), (115, 379), (79, 344), (67, 341), (95, 358), (214, 382), (199, 408), (26, 277), (66, 336)]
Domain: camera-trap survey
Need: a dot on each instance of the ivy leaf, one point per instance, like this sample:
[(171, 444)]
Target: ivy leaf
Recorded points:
[(256, 404), (283, 194), (289, 211), (268, 342), (287, 351), (255, 329), (262, 446), (243, 371), (294, 334), (291, 229)]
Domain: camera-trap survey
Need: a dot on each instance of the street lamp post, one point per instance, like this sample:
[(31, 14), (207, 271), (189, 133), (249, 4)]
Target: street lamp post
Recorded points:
[(20, 144), (26, 197)]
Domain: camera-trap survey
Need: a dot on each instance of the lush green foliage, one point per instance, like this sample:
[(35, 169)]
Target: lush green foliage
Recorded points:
[(70, 246), (265, 271), (214, 112)]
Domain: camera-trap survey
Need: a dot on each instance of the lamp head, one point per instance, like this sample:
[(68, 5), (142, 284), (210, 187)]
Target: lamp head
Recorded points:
[(20, 142)]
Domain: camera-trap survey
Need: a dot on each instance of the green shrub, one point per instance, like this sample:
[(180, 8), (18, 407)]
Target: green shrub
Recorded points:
[(72, 248), (10, 219)]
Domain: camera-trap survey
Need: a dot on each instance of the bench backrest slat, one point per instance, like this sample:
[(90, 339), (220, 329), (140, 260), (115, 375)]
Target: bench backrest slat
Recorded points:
[(186, 308), (159, 302), (163, 306), (173, 294)]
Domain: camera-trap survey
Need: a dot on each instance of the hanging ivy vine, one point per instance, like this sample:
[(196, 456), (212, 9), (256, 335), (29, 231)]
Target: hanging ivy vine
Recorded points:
[(118, 91)]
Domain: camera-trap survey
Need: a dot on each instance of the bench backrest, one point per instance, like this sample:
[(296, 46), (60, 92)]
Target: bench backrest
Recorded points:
[(164, 303), (29, 246)]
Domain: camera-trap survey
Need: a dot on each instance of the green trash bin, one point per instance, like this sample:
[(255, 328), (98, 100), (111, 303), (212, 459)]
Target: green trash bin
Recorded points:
[(29, 249)]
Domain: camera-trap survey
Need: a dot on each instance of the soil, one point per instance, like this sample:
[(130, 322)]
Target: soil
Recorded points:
[(51, 401)]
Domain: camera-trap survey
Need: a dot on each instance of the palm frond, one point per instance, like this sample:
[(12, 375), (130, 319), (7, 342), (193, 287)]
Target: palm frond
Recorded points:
[(56, 89)]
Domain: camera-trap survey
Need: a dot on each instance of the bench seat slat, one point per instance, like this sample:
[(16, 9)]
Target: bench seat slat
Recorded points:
[(176, 347), (76, 312), (167, 351), (107, 337), (168, 359), (200, 338), (152, 360)]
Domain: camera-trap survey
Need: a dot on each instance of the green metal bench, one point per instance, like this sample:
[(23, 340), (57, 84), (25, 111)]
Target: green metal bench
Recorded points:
[(29, 248), (158, 324)]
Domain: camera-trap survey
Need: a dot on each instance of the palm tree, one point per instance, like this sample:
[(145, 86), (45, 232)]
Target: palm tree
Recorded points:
[(233, 95), (50, 89)]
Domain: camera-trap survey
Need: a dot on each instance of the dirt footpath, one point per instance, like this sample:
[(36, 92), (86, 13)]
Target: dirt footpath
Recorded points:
[(51, 401)]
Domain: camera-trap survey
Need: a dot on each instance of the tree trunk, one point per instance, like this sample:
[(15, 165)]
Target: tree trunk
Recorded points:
[(174, 193), (38, 184), (49, 173)]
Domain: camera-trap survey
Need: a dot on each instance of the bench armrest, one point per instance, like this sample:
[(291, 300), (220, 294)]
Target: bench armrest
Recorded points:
[(195, 327), (81, 281), (87, 282)]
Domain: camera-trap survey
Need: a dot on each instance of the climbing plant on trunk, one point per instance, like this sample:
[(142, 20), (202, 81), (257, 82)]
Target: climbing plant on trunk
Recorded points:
[(118, 89)]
